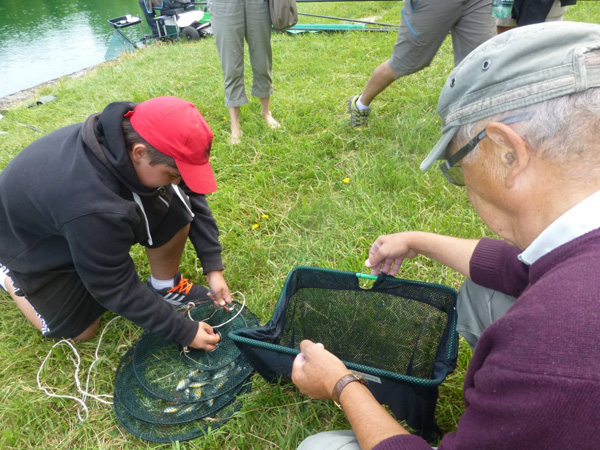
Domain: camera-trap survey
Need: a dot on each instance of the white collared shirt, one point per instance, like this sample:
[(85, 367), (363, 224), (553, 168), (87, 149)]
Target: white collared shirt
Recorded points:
[(577, 221)]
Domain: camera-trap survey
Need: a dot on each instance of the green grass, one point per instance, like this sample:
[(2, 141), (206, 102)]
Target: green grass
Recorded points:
[(289, 181)]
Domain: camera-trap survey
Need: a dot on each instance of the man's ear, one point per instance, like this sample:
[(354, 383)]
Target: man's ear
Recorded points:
[(138, 152), (514, 154)]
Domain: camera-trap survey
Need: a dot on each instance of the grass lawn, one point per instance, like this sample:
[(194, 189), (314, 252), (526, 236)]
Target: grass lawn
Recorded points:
[(316, 192)]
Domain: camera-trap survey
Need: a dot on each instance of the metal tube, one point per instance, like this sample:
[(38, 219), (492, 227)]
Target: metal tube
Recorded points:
[(348, 20)]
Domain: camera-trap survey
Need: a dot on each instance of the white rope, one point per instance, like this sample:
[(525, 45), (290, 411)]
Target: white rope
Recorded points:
[(84, 392)]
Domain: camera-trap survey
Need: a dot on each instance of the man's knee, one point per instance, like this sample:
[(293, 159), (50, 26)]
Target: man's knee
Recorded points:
[(477, 308), (331, 440)]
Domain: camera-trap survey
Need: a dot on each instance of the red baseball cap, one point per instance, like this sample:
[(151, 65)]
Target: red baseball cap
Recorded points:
[(176, 128)]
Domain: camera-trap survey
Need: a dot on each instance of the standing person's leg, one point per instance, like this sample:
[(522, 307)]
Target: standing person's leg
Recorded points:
[(229, 28), (425, 25), (477, 308), (557, 12), (258, 36), (474, 28), (149, 15)]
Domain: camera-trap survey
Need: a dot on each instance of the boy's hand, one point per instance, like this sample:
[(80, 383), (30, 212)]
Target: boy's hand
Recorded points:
[(219, 291), (206, 338)]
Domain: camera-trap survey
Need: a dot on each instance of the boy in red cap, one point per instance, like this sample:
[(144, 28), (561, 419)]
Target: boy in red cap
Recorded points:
[(73, 203)]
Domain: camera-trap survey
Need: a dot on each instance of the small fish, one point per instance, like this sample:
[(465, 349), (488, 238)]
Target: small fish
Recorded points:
[(193, 373), (222, 372), (183, 384), (171, 410), (195, 394), (186, 410), (197, 384)]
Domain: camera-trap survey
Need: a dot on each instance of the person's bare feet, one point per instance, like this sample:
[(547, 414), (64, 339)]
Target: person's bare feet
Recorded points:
[(270, 121), (236, 129), (236, 135), (235, 139)]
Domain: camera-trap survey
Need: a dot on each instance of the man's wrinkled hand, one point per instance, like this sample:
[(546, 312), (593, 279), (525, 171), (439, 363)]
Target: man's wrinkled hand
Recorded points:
[(316, 371)]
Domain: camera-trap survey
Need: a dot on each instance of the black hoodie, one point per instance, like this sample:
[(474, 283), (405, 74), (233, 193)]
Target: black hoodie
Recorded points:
[(68, 203)]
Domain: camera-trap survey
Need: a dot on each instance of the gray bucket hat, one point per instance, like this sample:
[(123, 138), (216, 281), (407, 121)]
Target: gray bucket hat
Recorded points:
[(527, 65)]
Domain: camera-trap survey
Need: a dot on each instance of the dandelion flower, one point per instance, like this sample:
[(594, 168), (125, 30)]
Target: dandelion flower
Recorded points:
[(255, 226), (264, 216), (346, 180)]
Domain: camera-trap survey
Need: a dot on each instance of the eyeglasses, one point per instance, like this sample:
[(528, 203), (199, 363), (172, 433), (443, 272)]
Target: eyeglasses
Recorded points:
[(453, 171)]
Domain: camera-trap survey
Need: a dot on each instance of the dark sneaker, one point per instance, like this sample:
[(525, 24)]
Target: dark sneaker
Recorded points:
[(358, 117), (183, 293)]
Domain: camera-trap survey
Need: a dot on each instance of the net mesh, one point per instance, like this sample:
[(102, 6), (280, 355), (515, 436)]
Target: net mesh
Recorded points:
[(371, 328), (396, 326), (177, 432), (162, 394), (119, 43), (400, 334)]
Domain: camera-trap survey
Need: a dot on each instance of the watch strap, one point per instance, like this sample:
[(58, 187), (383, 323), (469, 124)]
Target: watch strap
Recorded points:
[(342, 383)]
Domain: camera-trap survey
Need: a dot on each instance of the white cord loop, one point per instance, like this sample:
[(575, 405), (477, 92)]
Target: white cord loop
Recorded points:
[(84, 392)]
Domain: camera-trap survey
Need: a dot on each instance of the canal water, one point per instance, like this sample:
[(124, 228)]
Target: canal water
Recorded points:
[(41, 40)]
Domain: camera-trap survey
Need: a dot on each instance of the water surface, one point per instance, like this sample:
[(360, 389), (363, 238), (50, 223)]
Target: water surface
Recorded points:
[(41, 40)]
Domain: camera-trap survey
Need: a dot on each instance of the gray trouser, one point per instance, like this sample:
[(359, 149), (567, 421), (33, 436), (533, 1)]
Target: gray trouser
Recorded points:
[(233, 21), (477, 308), (331, 440)]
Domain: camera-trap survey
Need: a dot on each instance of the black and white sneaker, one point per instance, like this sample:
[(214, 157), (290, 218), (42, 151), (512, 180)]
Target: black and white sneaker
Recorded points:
[(184, 292)]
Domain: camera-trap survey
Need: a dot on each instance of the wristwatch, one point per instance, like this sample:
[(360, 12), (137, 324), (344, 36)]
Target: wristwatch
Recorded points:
[(342, 383)]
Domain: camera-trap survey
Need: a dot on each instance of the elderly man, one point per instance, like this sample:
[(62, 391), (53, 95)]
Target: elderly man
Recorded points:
[(521, 131)]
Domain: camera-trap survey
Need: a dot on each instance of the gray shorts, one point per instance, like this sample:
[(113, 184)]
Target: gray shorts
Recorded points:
[(426, 23)]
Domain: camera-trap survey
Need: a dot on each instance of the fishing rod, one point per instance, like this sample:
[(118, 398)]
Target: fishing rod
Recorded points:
[(349, 20), (302, 28)]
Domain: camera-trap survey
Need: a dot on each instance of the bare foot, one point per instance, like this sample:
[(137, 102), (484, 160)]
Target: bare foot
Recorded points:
[(236, 135), (271, 122)]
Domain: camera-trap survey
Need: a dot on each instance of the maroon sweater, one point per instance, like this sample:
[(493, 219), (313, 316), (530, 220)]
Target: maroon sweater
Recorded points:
[(534, 379)]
